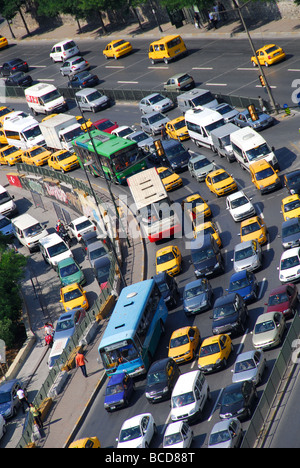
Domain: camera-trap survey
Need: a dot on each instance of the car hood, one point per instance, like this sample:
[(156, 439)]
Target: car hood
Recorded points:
[(208, 263), (245, 263), (157, 387), (265, 337), (279, 307), (241, 209), (179, 161), (250, 374), (232, 409), (204, 170), (225, 321), (194, 302), (111, 399), (222, 445)]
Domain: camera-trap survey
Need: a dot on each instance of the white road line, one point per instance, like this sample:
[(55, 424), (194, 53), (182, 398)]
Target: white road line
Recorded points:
[(202, 68), (260, 86), (214, 408), (216, 84), (46, 79), (246, 68), (294, 69), (160, 68), (114, 66), (242, 342), (39, 66), (127, 82), (261, 288)]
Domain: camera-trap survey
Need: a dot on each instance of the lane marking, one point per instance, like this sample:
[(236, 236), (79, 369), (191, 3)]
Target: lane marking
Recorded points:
[(260, 86), (202, 68), (247, 68), (242, 342), (216, 84), (215, 405), (127, 82), (114, 66)]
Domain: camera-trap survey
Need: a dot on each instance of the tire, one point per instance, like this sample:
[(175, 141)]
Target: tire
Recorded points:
[(254, 64), (152, 62)]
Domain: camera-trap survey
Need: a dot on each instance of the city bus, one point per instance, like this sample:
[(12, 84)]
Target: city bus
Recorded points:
[(153, 206), (118, 157), (134, 329)]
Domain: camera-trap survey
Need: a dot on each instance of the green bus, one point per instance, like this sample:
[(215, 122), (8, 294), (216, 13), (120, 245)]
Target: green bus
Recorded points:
[(118, 157)]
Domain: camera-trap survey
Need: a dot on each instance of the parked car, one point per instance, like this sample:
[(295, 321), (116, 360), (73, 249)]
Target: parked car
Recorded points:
[(284, 299), (12, 66), (245, 283), (168, 288), (74, 65), (239, 206), (268, 330), (67, 323), (247, 256), (9, 402), (197, 296), (83, 79), (243, 119), (137, 432), (119, 390), (226, 434), (249, 366), (154, 122), (19, 79), (238, 400), (178, 435), (80, 226), (179, 82), (230, 314), (96, 250), (161, 378), (155, 102)]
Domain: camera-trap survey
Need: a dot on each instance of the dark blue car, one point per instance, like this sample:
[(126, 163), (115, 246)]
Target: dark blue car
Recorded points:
[(118, 391), (245, 283), (83, 79)]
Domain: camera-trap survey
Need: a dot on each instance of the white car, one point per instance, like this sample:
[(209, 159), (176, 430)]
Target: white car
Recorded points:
[(178, 435), (137, 432), (289, 266), (239, 206), (123, 131), (80, 226), (2, 426), (226, 434)]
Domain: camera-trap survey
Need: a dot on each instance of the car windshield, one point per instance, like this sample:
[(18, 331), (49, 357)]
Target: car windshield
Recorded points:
[(156, 118), (209, 349), (224, 311), (114, 389), (156, 377), (4, 222), (118, 43), (76, 132), (201, 163), (292, 179), (179, 341), (50, 96), (32, 133), (244, 253), (271, 49), (4, 198), (104, 125), (64, 325), (140, 137), (69, 45), (69, 270), (202, 254), (224, 109), (155, 99), (232, 397), (96, 253), (214, 125), (180, 124), (289, 262), (175, 152), (102, 273), (263, 327), (36, 151), (292, 205), (195, 291), (126, 131), (291, 229), (57, 249), (225, 140), (220, 177), (165, 173), (94, 96), (33, 230), (183, 400), (167, 257), (219, 437), (239, 284), (130, 434), (268, 172), (5, 397), (71, 295), (258, 152), (237, 202), (244, 366), (202, 100), (83, 225), (65, 155), (172, 439), (278, 299), (250, 228), (10, 150)]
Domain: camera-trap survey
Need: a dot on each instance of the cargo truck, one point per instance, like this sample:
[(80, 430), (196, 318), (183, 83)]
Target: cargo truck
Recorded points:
[(60, 130)]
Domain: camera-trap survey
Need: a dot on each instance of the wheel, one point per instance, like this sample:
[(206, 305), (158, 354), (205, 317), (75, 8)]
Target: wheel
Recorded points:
[(166, 60), (152, 61), (254, 64)]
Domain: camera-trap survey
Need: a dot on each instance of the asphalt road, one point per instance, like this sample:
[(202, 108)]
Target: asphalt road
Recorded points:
[(284, 136)]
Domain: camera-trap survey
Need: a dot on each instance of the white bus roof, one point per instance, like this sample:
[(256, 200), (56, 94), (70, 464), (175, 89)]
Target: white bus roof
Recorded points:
[(247, 138), (146, 188), (206, 115)]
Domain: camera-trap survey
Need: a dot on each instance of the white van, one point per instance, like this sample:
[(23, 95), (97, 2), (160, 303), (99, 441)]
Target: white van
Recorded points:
[(189, 396), (249, 146), (54, 249), (200, 122), (28, 231), (23, 132), (43, 98), (56, 351), (7, 205), (64, 50)]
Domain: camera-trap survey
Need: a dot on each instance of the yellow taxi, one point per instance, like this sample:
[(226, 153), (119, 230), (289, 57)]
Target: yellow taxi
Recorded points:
[(196, 206), (63, 161), (220, 182), (85, 124), (207, 228), (4, 111), (264, 177), (214, 352), (254, 229), (168, 259), (10, 155), (73, 296), (87, 442), (183, 344), (268, 55), (290, 207), (177, 129), (36, 156), (170, 179), (48, 117), (3, 42), (117, 48), (3, 139)]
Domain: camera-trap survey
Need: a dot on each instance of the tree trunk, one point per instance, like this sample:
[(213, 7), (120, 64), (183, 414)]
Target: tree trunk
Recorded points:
[(23, 19), (102, 24)]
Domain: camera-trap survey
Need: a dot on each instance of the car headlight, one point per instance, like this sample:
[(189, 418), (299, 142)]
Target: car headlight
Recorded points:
[(281, 276), (217, 265), (192, 411), (166, 389), (147, 395)]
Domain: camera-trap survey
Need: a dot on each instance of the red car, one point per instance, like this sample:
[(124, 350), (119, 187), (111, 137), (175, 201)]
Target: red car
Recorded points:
[(283, 299), (105, 125)]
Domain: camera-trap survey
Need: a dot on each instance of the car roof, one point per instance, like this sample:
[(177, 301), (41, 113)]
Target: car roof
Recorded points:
[(173, 428), (7, 385), (221, 425), (225, 299), (95, 245), (180, 331), (290, 221), (86, 91), (238, 275), (280, 289), (185, 382), (116, 378), (134, 421), (198, 156), (290, 252), (246, 355), (193, 284), (66, 261), (243, 245), (201, 241), (266, 316), (104, 260), (160, 364)]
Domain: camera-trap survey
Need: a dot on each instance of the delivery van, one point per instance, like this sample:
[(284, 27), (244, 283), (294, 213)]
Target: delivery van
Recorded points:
[(23, 132), (29, 231), (200, 122), (221, 141), (249, 146), (7, 205), (166, 49), (196, 97), (44, 98)]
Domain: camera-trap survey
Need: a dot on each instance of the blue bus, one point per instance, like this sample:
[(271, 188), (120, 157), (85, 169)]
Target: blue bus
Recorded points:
[(134, 329)]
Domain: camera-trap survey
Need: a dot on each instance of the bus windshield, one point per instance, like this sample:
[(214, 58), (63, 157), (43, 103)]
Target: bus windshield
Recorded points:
[(124, 351)]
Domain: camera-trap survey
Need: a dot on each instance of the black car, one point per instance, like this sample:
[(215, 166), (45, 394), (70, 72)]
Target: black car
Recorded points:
[(238, 400), (206, 257), (19, 79), (168, 288), (161, 379), (197, 296), (12, 66), (229, 314), (175, 155), (83, 79), (291, 181)]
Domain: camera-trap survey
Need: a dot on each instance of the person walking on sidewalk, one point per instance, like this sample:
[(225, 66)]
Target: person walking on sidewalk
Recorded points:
[(22, 399), (80, 362)]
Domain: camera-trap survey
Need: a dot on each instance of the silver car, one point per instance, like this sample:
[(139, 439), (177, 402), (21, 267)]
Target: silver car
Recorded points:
[(249, 366), (95, 251), (199, 166), (268, 330), (228, 112), (74, 65), (91, 99), (247, 256), (155, 103), (226, 434), (154, 122), (143, 140)]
